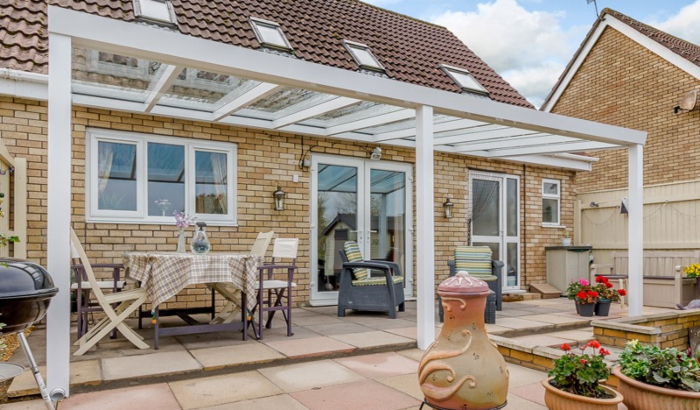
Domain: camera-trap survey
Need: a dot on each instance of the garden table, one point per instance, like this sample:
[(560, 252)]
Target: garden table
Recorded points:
[(164, 274)]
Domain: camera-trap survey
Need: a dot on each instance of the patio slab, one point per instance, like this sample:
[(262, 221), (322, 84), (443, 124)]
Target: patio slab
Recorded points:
[(339, 328), (518, 323), (314, 346), (522, 376), (312, 375), (218, 390), (118, 368), (380, 365), (558, 319), (373, 339), (81, 373), (533, 392), (150, 397), (407, 383), (249, 353), (281, 401), (375, 396), (546, 339)]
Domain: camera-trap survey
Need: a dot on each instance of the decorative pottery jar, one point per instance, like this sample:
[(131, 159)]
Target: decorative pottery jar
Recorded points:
[(463, 369)]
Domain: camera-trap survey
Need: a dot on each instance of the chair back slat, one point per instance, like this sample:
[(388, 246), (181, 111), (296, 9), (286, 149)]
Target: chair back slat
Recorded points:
[(285, 248), (87, 268), (262, 242)]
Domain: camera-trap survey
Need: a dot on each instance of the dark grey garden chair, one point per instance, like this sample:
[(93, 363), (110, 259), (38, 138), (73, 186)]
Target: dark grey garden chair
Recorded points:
[(373, 294)]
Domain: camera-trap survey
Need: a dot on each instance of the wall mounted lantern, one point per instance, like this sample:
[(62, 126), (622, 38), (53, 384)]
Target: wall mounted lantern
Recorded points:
[(447, 206), (279, 199)]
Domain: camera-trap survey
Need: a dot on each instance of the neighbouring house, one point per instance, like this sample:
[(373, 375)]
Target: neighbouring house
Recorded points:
[(127, 110), (630, 74)]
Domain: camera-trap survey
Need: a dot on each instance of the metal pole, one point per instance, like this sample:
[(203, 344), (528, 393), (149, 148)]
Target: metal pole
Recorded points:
[(59, 393)]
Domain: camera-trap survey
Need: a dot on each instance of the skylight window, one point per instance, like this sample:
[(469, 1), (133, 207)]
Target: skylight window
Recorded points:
[(156, 10), (363, 56), (464, 79), (269, 33)]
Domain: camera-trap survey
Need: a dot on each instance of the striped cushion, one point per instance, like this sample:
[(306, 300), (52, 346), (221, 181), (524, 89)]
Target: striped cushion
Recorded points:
[(376, 281), (474, 259), (352, 252)]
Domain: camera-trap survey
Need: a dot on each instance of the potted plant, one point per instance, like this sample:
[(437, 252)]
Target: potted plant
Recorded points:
[(584, 295), (566, 240), (607, 294), (693, 271), (575, 381)]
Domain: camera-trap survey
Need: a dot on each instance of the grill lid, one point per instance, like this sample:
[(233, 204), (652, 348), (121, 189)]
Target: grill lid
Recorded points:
[(20, 278)]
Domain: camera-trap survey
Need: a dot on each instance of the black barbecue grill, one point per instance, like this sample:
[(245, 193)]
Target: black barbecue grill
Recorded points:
[(26, 289)]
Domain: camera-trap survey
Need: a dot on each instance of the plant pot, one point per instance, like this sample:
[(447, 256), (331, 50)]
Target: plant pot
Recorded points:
[(578, 309), (556, 399), (586, 309), (643, 396), (565, 241), (602, 308), (8, 372)]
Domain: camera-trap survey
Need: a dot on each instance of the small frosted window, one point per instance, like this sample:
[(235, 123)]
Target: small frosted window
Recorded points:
[(269, 33), (155, 10), (363, 56), (464, 79)]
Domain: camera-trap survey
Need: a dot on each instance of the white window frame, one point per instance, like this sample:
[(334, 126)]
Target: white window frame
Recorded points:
[(138, 11), (255, 21), (140, 216), (551, 196), (449, 70), (351, 45)]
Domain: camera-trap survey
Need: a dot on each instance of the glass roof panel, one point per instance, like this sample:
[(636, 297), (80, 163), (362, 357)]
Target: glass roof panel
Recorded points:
[(115, 76), (365, 109), (337, 179), (204, 90), (386, 182), (284, 102), (404, 124)]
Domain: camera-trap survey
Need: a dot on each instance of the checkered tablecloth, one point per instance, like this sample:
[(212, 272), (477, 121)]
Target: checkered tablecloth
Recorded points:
[(164, 275)]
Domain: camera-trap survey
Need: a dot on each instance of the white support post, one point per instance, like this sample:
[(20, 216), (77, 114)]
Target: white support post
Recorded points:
[(425, 224), (635, 219), (59, 212)]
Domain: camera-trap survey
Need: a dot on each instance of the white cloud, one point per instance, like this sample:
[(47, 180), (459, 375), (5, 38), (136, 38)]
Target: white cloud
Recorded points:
[(525, 47), (684, 24)]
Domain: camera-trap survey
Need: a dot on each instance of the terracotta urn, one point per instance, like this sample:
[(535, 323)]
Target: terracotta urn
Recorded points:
[(463, 369)]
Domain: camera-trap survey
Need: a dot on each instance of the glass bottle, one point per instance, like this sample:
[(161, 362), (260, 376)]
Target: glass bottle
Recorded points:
[(200, 242)]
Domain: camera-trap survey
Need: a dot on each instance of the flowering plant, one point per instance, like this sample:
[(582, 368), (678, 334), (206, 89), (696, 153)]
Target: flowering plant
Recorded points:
[(182, 220), (606, 290), (669, 368), (581, 374), (692, 270), (576, 287)]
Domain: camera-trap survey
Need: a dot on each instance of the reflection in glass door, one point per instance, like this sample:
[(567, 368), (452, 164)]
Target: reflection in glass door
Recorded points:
[(494, 220), (358, 200)]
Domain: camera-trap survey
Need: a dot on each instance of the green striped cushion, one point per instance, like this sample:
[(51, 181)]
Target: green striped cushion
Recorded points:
[(352, 252), (474, 259), (376, 281)]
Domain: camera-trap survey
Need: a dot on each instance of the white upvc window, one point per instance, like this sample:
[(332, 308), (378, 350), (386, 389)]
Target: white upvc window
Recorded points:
[(551, 202), (160, 11), (363, 55), (464, 79), (269, 33), (140, 178)]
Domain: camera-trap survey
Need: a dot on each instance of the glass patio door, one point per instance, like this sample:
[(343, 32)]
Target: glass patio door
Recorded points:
[(358, 200), (494, 220)]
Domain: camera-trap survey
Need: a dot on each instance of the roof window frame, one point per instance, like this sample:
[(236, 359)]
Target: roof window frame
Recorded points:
[(448, 69), (348, 44), (254, 21), (138, 12)]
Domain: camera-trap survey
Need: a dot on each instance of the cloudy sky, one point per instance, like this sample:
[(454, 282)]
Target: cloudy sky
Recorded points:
[(529, 42)]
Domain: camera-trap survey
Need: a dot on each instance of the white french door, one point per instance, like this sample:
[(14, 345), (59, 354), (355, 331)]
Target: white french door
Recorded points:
[(494, 220), (369, 202)]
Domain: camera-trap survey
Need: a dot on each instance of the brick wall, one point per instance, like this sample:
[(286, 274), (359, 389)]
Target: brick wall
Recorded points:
[(264, 159), (663, 330), (622, 83)]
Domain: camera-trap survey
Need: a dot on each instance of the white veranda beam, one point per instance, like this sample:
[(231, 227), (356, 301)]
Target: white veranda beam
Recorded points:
[(257, 93), (320, 109), (442, 127), (399, 115), (518, 142), (166, 80), (551, 149)]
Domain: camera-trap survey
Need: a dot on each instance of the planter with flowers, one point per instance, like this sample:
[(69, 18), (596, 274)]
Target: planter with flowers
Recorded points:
[(607, 294), (693, 271), (652, 378), (584, 295), (575, 381)]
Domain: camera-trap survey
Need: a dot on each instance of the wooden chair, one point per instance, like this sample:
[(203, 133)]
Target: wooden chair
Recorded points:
[(284, 249), (232, 310), (127, 302)]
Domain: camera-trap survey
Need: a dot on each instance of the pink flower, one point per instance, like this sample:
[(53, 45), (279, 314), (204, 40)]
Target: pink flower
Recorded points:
[(583, 282)]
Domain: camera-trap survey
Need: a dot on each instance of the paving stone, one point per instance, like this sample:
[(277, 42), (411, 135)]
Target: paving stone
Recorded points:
[(207, 340), (546, 339), (280, 333), (522, 376), (281, 401), (518, 403), (380, 365), (557, 319), (150, 397), (218, 390), (339, 328), (517, 323), (81, 374), (533, 392), (312, 375), (314, 320), (167, 363), (373, 339), (578, 335), (314, 346), (250, 353), (375, 396), (407, 383), (25, 405), (415, 354), (496, 329)]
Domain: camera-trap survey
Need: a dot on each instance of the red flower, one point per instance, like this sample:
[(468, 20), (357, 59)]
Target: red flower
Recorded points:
[(622, 292), (594, 344), (599, 279), (604, 352), (592, 294), (583, 361), (581, 295), (565, 347), (608, 285), (605, 280)]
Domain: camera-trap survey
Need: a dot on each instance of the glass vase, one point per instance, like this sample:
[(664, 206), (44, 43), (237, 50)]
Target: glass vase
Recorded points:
[(181, 241), (200, 242)]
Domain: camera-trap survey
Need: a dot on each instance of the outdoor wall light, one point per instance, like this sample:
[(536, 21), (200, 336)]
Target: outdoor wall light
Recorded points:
[(447, 206), (376, 154), (279, 199)]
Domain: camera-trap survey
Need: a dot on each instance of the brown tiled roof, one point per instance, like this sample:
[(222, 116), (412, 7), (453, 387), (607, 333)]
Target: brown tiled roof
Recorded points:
[(411, 50), (683, 48)]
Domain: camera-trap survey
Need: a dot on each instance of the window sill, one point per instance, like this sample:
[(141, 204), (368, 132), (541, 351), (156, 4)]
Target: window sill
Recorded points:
[(151, 222), (553, 226)]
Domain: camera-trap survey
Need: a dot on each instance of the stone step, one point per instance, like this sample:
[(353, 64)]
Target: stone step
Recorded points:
[(546, 290)]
